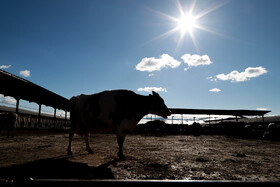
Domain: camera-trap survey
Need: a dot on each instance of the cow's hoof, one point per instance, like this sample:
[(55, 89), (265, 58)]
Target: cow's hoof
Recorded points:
[(69, 153), (89, 151), (121, 156)]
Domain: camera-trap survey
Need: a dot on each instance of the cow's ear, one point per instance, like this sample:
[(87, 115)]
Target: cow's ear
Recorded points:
[(154, 93)]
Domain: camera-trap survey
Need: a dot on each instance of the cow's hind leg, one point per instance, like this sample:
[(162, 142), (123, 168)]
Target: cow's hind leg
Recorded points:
[(88, 149), (120, 143), (71, 134), (8, 133), (13, 132)]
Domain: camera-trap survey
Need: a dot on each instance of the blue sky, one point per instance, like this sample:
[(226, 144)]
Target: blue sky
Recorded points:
[(229, 59)]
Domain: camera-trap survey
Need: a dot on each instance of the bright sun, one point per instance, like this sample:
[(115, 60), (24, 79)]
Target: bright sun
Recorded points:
[(186, 23)]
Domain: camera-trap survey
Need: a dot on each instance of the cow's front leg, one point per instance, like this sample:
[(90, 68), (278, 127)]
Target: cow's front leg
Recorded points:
[(88, 149), (71, 134), (120, 143), (13, 133)]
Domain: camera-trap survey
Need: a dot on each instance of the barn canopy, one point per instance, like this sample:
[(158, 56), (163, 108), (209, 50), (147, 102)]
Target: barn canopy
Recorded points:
[(19, 88), (219, 112)]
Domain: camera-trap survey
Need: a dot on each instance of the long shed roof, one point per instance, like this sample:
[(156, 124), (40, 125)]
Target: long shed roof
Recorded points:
[(219, 112), (19, 88)]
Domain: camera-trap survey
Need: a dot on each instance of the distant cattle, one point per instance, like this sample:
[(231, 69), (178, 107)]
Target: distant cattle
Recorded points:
[(7, 122), (115, 110), (272, 132)]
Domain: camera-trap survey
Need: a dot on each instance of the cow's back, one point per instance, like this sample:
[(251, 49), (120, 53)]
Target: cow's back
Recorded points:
[(93, 112)]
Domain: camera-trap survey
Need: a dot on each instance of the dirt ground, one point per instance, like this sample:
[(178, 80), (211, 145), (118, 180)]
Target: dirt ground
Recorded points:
[(173, 157)]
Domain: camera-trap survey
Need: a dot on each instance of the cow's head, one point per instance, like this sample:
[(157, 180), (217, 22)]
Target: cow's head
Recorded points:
[(158, 106)]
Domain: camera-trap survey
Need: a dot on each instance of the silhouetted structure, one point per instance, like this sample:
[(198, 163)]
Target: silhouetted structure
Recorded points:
[(20, 88)]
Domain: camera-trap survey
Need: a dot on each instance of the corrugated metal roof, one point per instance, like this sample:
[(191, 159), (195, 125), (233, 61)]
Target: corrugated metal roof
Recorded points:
[(19, 88)]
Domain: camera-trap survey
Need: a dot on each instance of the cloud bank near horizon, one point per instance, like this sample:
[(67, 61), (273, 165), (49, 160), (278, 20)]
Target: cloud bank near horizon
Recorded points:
[(7, 99)]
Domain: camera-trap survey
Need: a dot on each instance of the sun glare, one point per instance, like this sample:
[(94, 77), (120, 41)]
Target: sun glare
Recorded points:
[(186, 23)]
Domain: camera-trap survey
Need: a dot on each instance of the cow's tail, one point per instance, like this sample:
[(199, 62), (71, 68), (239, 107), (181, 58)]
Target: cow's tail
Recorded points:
[(72, 102), (73, 113), (72, 105)]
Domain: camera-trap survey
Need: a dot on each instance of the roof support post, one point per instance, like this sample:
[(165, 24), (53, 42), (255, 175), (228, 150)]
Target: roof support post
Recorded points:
[(54, 118), (39, 116), (65, 119), (17, 105)]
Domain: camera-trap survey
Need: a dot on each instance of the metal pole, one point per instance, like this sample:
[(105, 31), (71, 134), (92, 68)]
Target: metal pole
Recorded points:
[(54, 116), (65, 119), (17, 105), (39, 115)]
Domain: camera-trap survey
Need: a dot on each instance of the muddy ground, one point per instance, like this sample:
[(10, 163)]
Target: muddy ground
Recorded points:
[(174, 157)]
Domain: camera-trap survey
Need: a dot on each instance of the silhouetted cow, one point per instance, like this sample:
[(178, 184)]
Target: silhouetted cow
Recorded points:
[(8, 121), (117, 110)]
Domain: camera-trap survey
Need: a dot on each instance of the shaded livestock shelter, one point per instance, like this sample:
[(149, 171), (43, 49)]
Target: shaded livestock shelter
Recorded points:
[(20, 88), (229, 128), (236, 113)]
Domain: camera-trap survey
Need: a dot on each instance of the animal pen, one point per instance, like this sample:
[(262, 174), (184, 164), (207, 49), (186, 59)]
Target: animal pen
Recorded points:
[(29, 160), (22, 89)]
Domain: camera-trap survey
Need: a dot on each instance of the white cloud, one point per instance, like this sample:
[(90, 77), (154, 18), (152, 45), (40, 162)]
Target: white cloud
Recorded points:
[(196, 60), (214, 90), (236, 76), (25, 73), (156, 64), (5, 66), (211, 78), (7, 100), (150, 89), (263, 109)]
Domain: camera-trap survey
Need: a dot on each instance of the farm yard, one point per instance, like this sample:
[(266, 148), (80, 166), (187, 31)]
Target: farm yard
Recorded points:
[(156, 150), (41, 154)]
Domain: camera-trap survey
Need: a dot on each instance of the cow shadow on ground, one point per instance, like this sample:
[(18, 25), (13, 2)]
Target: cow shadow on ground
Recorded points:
[(58, 169)]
